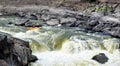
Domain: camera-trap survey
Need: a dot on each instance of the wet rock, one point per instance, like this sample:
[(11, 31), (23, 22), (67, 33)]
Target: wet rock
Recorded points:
[(101, 27), (45, 17), (93, 22), (21, 22), (109, 19), (72, 24), (18, 41), (34, 16), (53, 22), (20, 14), (32, 58), (67, 20), (15, 52), (101, 58), (114, 31), (32, 24), (68, 15), (5, 47), (81, 23)]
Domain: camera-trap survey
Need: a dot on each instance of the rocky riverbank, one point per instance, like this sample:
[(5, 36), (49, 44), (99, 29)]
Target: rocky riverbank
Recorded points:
[(14, 52), (103, 21)]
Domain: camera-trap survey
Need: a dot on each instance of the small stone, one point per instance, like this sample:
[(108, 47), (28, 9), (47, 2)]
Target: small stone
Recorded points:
[(101, 58)]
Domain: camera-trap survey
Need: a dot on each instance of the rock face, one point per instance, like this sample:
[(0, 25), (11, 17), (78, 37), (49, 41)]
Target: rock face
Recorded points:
[(101, 58), (15, 52)]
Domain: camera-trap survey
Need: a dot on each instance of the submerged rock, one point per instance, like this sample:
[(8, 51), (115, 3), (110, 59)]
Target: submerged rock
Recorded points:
[(101, 58)]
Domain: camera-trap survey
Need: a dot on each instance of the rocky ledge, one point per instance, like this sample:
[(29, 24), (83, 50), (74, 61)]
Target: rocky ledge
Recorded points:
[(15, 52)]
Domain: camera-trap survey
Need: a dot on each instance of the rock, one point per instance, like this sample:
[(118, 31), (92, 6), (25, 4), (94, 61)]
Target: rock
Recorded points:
[(68, 15), (72, 24), (93, 22), (114, 31), (81, 23), (32, 58), (5, 47), (15, 52), (67, 20), (32, 24), (100, 27), (34, 16), (109, 19), (18, 41), (53, 22), (101, 58), (21, 22), (20, 14), (45, 17)]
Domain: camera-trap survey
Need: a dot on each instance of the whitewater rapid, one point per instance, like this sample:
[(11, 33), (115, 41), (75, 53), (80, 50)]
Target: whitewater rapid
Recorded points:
[(56, 46)]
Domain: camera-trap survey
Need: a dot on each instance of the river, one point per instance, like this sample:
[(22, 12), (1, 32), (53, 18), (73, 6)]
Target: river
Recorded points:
[(61, 46)]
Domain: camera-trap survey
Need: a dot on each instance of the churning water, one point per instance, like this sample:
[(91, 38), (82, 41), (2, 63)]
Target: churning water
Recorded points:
[(59, 46)]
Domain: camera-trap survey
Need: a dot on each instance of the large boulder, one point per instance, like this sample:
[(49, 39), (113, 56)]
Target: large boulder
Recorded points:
[(15, 52)]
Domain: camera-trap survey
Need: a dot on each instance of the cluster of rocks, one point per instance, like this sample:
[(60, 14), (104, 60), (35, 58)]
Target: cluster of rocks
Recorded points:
[(100, 22), (26, 23), (15, 52)]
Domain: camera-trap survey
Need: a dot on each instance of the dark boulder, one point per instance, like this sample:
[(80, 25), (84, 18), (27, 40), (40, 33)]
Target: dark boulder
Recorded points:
[(15, 52), (101, 58), (5, 47), (32, 58)]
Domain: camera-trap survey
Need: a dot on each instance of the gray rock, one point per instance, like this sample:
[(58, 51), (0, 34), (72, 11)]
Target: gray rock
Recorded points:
[(109, 19), (67, 20), (21, 22), (113, 31), (53, 22), (32, 24), (99, 27), (45, 17), (101, 58)]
